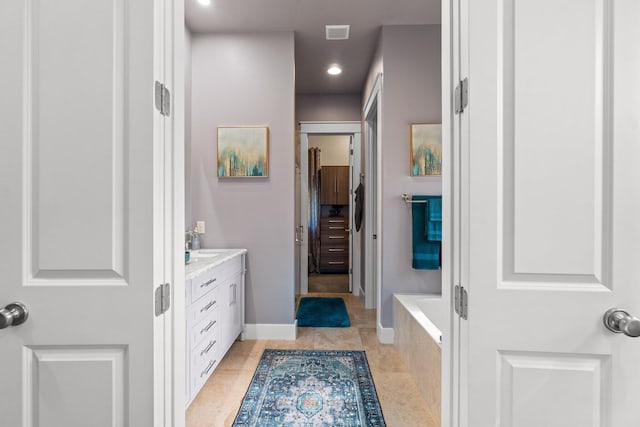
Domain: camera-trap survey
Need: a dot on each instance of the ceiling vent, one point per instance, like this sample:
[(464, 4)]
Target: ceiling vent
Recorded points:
[(337, 32)]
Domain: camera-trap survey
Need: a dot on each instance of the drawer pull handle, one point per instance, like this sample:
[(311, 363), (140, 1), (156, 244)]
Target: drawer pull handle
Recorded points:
[(336, 221), (209, 347), (335, 227), (336, 237), (336, 249), (207, 283), (209, 326), (336, 262), (209, 366), (208, 306)]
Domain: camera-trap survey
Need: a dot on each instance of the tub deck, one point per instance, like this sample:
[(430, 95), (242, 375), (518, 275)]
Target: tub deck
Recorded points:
[(419, 340)]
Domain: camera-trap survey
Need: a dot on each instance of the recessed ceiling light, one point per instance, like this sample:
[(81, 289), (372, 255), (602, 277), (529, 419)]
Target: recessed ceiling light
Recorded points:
[(334, 70), (205, 2)]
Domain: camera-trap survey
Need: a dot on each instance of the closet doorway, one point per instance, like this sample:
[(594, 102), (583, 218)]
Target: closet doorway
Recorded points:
[(327, 236)]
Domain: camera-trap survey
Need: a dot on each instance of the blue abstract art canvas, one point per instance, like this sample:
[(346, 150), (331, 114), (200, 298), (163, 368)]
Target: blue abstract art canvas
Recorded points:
[(243, 151)]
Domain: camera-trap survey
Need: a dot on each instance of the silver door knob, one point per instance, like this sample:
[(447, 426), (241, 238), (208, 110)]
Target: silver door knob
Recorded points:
[(619, 321), (13, 315)]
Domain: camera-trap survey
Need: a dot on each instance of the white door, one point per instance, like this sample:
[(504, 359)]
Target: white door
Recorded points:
[(81, 217), (553, 213)]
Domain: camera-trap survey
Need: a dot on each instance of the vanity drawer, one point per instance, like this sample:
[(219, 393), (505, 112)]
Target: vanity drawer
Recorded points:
[(203, 365), (203, 307), (204, 352), (212, 278), (203, 283), (203, 328), (199, 375)]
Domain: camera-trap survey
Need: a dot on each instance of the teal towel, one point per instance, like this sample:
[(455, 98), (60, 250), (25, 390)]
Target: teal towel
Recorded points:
[(435, 208), (434, 219), (426, 254)]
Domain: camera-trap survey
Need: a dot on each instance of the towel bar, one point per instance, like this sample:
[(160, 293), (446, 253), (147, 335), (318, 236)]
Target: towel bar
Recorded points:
[(407, 199)]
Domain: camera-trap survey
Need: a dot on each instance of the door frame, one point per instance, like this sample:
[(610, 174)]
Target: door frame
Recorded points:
[(353, 129), (373, 201), (173, 345)]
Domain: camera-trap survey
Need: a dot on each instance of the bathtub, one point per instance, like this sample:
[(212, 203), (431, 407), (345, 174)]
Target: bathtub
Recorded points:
[(418, 319)]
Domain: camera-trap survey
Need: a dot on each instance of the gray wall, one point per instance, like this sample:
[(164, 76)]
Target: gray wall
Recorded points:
[(411, 93), (248, 79), (328, 108)]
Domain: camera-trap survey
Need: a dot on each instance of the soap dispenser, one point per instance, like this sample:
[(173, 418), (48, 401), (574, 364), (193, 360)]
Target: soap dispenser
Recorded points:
[(195, 240)]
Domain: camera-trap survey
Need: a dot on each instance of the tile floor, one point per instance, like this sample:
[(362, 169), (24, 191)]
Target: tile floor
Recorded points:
[(220, 398), (328, 283)]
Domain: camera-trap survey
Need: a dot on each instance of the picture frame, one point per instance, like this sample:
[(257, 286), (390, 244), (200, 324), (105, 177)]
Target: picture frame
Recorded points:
[(425, 149), (242, 152)]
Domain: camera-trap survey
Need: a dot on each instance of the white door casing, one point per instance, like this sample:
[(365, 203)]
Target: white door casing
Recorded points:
[(83, 177), (302, 233), (355, 166), (552, 127), (372, 113)]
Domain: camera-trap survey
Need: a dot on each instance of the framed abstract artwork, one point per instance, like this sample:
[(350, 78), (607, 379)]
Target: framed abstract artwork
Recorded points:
[(426, 150), (243, 151)]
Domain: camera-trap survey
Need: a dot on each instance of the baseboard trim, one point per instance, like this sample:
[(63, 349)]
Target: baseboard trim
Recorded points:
[(385, 335), (270, 331)]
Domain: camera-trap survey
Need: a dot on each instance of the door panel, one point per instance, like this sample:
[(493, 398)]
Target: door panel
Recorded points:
[(77, 123), (559, 150), (58, 378), (561, 390), (79, 179), (554, 198)]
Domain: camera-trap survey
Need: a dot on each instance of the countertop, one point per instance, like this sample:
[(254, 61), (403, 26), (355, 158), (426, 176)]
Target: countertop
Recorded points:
[(205, 259)]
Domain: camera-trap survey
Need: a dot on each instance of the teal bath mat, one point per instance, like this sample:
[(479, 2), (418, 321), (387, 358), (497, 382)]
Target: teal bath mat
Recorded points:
[(311, 388), (319, 312)]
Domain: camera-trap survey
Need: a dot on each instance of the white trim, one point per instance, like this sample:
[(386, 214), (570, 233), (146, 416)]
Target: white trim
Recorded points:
[(450, 244), (385, 335), (270, 331), (352, 129), (330, 127), (175, 333), (373, 279), (303, 246)]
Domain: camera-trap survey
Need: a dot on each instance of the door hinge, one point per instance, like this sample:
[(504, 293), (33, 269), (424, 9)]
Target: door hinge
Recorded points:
[(163, 298), (163, 99), (461, 303), (351, 151), (461, 96)]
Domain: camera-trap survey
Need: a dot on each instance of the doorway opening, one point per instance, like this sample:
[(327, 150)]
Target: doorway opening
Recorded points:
[(330, 216), (329, 172)]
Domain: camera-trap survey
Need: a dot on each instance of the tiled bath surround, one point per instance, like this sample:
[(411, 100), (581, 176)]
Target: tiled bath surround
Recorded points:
[(419, 346)]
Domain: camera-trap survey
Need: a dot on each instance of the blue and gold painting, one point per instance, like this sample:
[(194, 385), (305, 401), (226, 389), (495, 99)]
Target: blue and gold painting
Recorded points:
[(426, 150), (243, 151)]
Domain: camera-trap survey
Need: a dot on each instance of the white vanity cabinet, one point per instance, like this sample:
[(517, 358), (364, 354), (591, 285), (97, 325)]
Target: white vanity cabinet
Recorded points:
[(214, 312)]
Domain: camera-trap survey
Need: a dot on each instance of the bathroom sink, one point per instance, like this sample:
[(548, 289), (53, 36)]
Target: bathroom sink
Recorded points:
[(206, 254), (211, 252)]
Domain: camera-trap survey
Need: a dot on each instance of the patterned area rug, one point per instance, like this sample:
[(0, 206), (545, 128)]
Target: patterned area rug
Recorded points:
[(311, 388)]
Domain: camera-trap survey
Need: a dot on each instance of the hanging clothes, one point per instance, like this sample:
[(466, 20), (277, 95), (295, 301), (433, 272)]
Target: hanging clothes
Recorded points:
[(359, 210), (314, 210)]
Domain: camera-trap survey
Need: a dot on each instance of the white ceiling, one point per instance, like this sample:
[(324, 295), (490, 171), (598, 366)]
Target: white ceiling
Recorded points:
[(307, 18)]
